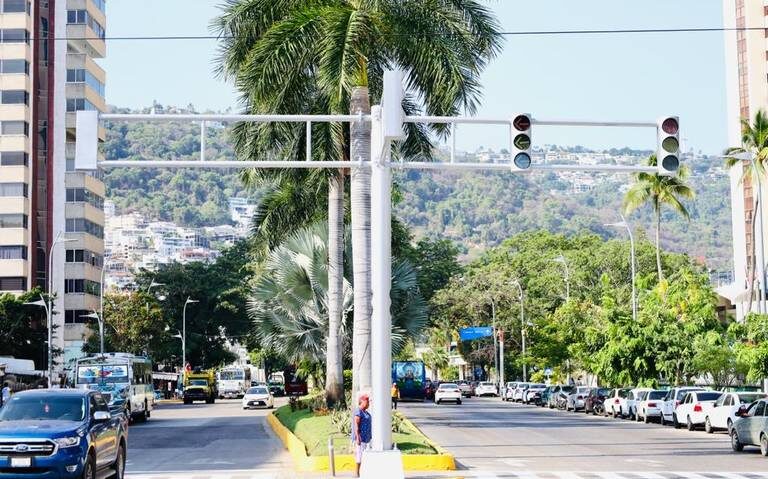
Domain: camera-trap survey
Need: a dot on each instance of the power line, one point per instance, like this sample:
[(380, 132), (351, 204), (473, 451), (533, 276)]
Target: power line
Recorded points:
[(623, 31)]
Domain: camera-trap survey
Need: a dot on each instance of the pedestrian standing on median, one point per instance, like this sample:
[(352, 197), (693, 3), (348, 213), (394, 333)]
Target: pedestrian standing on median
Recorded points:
[(361, 431), (395, 395)]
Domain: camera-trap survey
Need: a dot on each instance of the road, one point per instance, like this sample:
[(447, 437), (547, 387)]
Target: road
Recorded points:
[(202, 441), (490, 438)]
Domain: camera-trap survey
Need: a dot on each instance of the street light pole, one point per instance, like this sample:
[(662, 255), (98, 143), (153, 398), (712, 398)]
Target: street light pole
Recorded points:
[(184, 332), (49, 306), (624, 224), (761, 304), (495, 349), (522, 328)]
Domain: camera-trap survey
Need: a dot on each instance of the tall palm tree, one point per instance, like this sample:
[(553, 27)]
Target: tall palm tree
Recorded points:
[(659, 190), (308, 55), (754, 143)]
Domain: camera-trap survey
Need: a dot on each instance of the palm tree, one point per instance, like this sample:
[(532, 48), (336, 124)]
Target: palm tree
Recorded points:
[(754, 144), (659, 190), (304, 56)]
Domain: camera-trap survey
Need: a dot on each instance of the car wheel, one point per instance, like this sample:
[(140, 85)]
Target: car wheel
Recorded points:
[(615, 414), (763, 444), (119, 465), (736, 444), (689, 424), (662, 421), (458, 401), (646, 419), (89, 469), (674, 422), (708, 426), (730, 426)]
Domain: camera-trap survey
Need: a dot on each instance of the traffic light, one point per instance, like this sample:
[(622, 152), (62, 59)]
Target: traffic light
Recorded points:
[(668, 150), (520, 135)]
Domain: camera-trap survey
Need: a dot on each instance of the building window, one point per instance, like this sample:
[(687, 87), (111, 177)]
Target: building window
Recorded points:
[(13, 189), (82, 225), (75, 316), (13, 221), (14, 97), (84, 256), (14, 6), (79, 104), (13, 252), (14, 128), (101, 5), (82, 195), (14, 35), (81, 17), (84, 286), (14, 66), (13, 158), (79, 75), (13, 284)]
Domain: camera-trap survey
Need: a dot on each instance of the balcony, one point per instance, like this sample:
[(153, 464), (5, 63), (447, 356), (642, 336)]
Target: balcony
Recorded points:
[(82, 270), (83, 39), (14, 143), (92, 7), (14, 267), (14, 205), (13, 236), (14, 174)]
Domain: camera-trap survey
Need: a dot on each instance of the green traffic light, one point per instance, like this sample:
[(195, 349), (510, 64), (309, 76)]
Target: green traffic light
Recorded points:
[(522, 142), (670, 144)]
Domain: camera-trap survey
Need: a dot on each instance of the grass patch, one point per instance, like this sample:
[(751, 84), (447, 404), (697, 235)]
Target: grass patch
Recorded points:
[(314, 431)]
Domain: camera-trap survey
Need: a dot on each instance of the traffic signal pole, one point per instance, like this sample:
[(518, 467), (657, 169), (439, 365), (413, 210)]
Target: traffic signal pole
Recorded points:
[(387, 122)]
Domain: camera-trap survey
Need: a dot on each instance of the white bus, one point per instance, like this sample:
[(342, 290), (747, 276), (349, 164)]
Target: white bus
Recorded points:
[(233, 381), (124, 379)]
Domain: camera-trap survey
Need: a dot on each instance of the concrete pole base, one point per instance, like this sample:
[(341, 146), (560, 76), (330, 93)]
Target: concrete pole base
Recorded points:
[(382, 465)]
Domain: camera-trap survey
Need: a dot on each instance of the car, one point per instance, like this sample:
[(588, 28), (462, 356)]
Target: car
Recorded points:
[(486, 389), (467, 388), (259, 383), (508, 392), (648, 405), (615, 402), (723, 414), (429, 389), (519, 392), (545, 394), (448, 392), (751, 429), (559, 396), (672, 400), (277, 388), (258, 396), (575, 400), (62, 433), (630, 403), (533, 394), (693, 409), (595, 399)]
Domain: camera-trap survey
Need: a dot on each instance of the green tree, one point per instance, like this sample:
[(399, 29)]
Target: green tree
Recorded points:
[(334, 55), (659, 190), (23, 333)]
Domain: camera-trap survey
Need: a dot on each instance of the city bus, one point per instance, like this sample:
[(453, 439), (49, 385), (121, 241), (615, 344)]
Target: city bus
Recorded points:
[(233, 381), (124, 379)]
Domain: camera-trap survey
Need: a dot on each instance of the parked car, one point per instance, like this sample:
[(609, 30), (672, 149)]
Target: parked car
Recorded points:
[(595, 399), (751, 429), (648, 406), (258, 396), (558, 396), (63, 433), (672, 400), (486, 389), (615, 403), (723, 414), (575, 400), (519, 392), (429, 390), (694, 407), (545, 394), (467, 388), (630, 404), (448, 392), (508, 392), (533, 394)]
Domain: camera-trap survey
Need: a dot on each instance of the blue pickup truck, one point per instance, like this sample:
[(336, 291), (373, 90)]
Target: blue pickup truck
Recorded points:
[(61, 434)]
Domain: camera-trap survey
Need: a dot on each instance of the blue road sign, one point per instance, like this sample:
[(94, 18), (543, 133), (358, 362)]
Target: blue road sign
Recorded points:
[(468, 334)]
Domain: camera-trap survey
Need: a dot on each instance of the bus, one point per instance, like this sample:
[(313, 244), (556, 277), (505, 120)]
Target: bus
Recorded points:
[(411, 379), (233, 381), (124, 379)]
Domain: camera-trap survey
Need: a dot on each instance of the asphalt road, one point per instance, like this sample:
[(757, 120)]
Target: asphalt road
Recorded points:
[(205, 441), (491, 438)]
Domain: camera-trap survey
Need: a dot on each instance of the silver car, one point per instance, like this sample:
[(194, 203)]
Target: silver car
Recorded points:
[(751, 428)]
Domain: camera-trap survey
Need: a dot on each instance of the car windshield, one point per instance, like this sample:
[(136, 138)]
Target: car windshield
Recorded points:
[(259, 390), (49, 408), (683, 392), (603, 392), (489, 384), (448, 387), (566, 389), (657, 395), (708, 396), (198, 382), (747, 398), (582, 389)]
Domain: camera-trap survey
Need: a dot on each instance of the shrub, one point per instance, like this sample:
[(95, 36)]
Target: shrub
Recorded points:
[(342, 421)]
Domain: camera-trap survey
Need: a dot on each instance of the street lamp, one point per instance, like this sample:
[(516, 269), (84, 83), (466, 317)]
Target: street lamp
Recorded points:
[(623, 224), (184, 332), (522, 326), (100, 319), (153, 284), (562, 260)]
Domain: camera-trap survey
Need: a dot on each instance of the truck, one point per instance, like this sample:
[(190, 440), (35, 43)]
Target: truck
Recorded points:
[(411, 379), (294, 384), (62, 433), (233, 381), (200, 386)]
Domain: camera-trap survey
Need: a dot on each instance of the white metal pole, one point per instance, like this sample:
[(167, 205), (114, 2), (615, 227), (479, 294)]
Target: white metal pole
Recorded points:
[(522, 331), (203, 131), (501, 361), (49, 309), (381, 265), (184, 336), (495, 348), (101, 307), (760, 260), (632, 261)]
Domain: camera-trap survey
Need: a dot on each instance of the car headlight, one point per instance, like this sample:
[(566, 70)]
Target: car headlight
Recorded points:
[(67, 441)]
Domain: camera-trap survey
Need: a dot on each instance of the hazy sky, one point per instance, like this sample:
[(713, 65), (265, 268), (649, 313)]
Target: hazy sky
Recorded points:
[(603, 77)]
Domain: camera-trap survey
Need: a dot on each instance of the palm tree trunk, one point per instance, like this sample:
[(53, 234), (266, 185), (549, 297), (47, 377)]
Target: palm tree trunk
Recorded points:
[(658, 244), (360, 150), (334, 374)]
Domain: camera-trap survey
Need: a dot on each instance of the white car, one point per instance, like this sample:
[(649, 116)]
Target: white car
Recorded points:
[(508, 392), (519, 393), (630, 403), (528, 397), (648, 405), (448, 392), (616, 402), (723, 415), (694, 408), (486, 389), (672, 400), (258, 396), (576, 399)]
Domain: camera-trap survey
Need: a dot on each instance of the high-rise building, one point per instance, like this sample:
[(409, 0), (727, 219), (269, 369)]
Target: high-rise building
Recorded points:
[(48, 71), (746, 50)]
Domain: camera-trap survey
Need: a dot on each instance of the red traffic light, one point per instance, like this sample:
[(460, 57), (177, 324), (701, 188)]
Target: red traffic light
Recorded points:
[(522, 123), (670, 126)]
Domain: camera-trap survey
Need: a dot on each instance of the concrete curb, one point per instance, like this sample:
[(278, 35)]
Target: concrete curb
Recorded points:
[(443, 461)]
